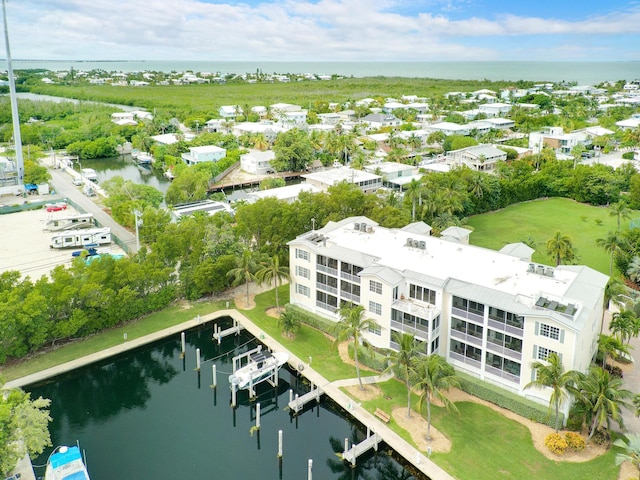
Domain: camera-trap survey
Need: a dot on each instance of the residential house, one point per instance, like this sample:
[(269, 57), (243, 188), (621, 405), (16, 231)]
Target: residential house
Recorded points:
[(483, 158), (257, 162), (287, 194), (206, 153), (375, 121), (495, 109), (230, 111), (367, 182), (491, 314)]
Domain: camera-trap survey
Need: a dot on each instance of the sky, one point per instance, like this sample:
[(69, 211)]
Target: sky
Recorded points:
[(325, 30)]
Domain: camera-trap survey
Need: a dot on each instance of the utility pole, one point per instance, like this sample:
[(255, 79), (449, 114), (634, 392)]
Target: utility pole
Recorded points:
[(14, 104)]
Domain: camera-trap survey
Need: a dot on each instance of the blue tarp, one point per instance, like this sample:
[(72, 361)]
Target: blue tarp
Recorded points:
[(30, 187)]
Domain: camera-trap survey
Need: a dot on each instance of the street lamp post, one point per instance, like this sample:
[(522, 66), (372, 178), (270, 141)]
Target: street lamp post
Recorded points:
[(138, 221), (80, 165)]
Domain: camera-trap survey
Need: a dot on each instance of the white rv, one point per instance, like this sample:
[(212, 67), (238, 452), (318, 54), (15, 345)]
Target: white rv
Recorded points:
[(81, 238), (70, 222)]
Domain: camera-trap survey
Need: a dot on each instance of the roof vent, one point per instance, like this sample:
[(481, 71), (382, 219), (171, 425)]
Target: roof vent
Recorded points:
[(356, 226), (409, 242), (369, 229), (422, 245), (540, 269), (548, 272), (532, 268)]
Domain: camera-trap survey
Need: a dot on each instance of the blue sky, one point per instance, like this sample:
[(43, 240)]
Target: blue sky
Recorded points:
[(325, 30)]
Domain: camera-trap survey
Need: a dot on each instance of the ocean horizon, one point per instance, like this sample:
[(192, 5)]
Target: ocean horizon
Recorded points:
[(584, 73)]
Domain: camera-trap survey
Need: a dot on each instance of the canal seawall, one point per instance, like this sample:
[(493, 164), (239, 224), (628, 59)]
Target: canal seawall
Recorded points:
[(333, 389)]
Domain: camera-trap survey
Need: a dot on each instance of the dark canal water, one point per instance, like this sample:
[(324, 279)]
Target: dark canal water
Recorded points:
[(148, 414), (125, 167)]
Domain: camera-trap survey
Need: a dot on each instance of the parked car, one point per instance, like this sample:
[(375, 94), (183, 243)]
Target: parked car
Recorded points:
[(56, 207), (77, 181)]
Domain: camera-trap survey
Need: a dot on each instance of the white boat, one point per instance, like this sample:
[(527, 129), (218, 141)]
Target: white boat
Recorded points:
[(262, 366), (89, 174), (65, 463), (143, 158)]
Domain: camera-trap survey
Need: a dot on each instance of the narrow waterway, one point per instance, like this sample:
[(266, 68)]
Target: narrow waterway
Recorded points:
[(124, 166), (147, 414)]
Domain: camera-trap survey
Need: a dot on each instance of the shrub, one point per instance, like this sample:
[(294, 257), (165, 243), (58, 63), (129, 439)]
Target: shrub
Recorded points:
[(574, 422), (614, 370), (556, 443), (516, 404), (627, 156), (601, 437), (315, 321), (575, 441)]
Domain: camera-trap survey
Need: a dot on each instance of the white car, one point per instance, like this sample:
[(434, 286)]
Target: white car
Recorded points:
[(77, 181)]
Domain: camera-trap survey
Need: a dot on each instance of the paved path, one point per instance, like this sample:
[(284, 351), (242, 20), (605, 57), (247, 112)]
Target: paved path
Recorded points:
[(333, 389)]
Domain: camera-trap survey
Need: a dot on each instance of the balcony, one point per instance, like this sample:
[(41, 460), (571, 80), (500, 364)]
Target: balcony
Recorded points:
[(502, 374), (504, 351), (349, 277), (503, 327), (467, 360), (325, 269), (465, 337), (350, 296), (326, 306), (416, 329), (327, 288), (466, 314)]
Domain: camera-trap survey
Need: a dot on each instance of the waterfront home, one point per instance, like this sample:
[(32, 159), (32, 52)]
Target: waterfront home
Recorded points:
[(491, 314), (367, 182), (257, 162), (206, 153), (482, 158), (287, 194)]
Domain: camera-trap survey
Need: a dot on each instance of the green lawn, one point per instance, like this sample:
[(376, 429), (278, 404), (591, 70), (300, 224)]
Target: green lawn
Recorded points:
[(539, 220)]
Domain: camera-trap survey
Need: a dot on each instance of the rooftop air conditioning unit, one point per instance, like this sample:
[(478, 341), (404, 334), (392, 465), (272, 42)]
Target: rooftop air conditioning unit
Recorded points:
[(416, 243), (540, 269), (363, 227), (422, 245), (548, 272), (409, 242), (532, 268), (356, 226)]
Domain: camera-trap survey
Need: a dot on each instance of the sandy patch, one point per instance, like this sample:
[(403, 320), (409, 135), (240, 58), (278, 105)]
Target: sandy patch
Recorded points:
[(343, 350), (274, 312), (416, 425), (364, 393)]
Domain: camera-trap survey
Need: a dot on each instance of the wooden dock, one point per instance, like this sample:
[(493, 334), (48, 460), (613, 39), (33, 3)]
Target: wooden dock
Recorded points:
[(252, 181), (351, 455), (298, 403)]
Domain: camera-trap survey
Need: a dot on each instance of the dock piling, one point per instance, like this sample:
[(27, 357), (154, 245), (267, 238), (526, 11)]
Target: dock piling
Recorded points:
[(258, 415), (198, 359), (215, 376), (279, 443), (310, 470), (183, 344), (233, 395)]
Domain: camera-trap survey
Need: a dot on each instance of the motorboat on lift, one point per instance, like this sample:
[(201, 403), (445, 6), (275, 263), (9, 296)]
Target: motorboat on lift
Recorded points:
[(262, 365)]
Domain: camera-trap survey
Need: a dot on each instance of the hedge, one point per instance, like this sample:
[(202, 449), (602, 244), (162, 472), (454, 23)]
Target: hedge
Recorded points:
[(510, 401), (311, 319)]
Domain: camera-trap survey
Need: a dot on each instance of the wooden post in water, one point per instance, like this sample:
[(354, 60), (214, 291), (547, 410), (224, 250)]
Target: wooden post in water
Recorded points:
[(258, 415), (215, 376), (309, 470), (279, 443)]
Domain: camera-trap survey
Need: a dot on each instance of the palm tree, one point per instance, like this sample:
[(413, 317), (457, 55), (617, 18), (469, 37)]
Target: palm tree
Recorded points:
[(271, 271), (612, 243), (633, 270), (432, 376), (351, 326), (289, 323), (630, 446), (260, 142), (552, 374), (625, 325), (620, 210), (413, 192), (401, 361), (603, 396), (561, 248), (244, 271), (611, 346)]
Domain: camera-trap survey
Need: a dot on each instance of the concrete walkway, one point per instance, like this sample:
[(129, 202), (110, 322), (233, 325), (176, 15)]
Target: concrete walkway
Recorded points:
[(333, 389)]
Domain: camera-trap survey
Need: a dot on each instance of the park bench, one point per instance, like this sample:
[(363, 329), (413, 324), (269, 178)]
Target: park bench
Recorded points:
[(385, 417)]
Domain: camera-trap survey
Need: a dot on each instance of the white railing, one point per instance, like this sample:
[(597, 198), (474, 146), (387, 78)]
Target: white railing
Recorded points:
[(504, 351)]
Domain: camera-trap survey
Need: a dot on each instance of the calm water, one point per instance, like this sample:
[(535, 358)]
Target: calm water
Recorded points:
[(148, 415), (125, 167), (585, 73)]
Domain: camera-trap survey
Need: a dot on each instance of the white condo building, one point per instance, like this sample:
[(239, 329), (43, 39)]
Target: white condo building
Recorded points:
[(489, 313)]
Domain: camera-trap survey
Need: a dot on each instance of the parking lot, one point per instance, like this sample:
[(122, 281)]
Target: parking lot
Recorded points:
[(24, 244)]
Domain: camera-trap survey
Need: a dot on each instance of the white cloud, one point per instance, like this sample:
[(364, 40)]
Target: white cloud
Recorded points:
[(283, 30)]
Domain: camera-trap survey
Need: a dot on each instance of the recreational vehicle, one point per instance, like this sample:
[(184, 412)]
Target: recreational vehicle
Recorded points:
[(70, 222), (81, 238)]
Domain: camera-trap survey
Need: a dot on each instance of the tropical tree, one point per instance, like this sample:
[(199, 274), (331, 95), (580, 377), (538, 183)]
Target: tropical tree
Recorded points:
[(432, 376), (625, 324), (560, 247), (413, 192), (621, 210), (270, 272), (630, 452), (244, 271), (611, 346), (289, 323), (603, 397), (552, 374), (401, 361), (633, 270), (614, 242), (351, 326)]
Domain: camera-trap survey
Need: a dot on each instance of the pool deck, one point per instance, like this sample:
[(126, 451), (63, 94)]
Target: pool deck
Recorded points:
[(333, 389)]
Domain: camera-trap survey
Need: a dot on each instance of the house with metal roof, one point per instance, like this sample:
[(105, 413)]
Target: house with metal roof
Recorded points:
[(483, 158), (490, 313)]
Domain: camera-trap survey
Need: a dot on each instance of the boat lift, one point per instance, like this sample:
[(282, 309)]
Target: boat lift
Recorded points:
[(296, 404), (239, 362), (218, 334)]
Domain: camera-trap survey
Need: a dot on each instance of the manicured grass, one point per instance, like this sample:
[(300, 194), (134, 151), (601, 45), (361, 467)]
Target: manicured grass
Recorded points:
[(168, 317), (539, 220)]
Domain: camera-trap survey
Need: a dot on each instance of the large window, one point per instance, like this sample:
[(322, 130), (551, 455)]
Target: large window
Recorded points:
[(423, 294), (327, 299), (302, 272), (375, 307), (506, 317), (504, 340), (468, 305), (327, 280), (375, 287), (549, 331), (467, 327), (376, 330), (351, 288), (303, 254), (327, 262), (544, 352), (349, 268), (302, 289)]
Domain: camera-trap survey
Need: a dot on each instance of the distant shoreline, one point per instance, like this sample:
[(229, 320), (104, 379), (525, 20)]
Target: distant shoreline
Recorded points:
[(582, 72)]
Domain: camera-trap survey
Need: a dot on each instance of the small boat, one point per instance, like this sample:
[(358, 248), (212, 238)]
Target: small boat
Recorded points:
[(262, 365), (89, 174), (65, 463), (169, 174), (143, 158)]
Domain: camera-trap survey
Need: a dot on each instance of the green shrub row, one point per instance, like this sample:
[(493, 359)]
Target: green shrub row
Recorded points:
[(315, 321), (512, 402), (370, 358)]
